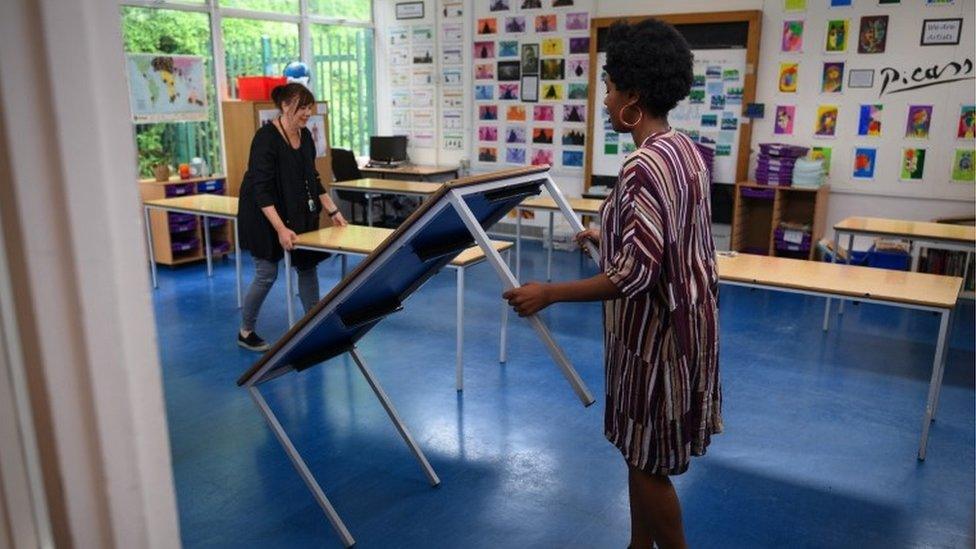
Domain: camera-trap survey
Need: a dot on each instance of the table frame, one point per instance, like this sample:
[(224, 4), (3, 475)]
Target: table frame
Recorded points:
[(518, 238), (370, 193), (423, 177), (206, 239)]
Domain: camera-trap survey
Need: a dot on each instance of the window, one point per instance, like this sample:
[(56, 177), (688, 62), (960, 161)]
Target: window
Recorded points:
[(257, 48), (276, 6), (342, 74), (150, 30), (356, 10)]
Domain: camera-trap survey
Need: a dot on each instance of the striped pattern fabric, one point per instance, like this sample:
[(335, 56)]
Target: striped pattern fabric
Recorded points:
[(663, 395)]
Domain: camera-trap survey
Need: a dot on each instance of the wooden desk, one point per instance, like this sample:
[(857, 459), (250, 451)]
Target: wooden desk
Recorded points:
[(361, 241), (412, 170), (205, 206), (922, 291), (584, 206), (370, 186)]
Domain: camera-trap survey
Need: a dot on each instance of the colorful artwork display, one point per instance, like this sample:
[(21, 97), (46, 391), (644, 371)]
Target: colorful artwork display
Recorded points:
[(873, 34), (964, 166), (792, 40), (825, 124), (788, 77), (967, 122), (864, 162), (785, 114), (919, 120), (833, 77), (837, 32), (869, 120), (912, 164)]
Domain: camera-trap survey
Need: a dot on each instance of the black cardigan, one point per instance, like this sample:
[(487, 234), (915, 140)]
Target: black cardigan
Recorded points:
[(280, 176)]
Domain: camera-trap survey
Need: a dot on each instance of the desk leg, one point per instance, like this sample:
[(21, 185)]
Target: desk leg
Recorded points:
[(342, 264), (206, 244), (916, 254), (152, 251), (288, 298), (459, 347), (850, 254), (938, 366), (237, 264), (503, 350), (549, 255), (945, 359), (369, 209), (395, 418), (302, 468), (833, 259), (518, 244)]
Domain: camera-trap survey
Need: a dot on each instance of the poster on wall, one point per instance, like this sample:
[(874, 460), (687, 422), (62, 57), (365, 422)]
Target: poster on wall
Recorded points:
[(166, 88)]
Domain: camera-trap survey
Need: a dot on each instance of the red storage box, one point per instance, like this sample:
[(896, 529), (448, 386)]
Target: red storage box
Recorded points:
[(258, 88)]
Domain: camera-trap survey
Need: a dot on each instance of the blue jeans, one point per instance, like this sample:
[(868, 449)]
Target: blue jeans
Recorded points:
[(265, 274)]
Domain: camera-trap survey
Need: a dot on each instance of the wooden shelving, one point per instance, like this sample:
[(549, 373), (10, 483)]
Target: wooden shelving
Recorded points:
[(759, 209), (167, 230)]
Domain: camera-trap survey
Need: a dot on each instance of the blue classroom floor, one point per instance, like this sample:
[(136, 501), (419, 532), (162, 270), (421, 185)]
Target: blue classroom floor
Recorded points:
[(821, 430)]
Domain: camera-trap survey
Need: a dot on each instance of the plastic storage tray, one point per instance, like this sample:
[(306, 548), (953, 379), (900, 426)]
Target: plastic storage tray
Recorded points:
[(181, 189), (211, 187)]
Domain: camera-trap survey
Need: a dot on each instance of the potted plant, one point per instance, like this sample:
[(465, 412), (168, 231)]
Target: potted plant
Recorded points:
[(153, 158)]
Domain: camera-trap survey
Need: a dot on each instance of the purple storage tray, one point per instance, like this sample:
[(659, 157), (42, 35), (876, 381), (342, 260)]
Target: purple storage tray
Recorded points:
[(184, 245), (215, 222), (782, 149), (181, 218), (211, 186), (221, 247), (178, 190), (764, 194), (182, 226)]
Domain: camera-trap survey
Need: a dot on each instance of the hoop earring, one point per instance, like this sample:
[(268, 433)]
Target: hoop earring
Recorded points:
[(640, 116)]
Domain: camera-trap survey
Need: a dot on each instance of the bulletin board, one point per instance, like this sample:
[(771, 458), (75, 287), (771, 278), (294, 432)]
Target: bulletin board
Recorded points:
[(726, 49)]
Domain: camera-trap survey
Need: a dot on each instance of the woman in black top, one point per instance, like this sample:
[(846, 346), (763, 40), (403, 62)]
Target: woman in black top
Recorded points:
[(281, 196)]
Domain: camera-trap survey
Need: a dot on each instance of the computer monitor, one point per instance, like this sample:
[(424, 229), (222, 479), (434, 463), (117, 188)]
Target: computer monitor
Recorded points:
[(388, 149)]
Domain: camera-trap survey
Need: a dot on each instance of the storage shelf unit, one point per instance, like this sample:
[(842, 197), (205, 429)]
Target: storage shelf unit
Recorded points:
[(178, 238), (759, 209)]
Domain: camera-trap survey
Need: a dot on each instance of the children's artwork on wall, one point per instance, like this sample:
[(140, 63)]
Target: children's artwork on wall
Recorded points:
[(484, 50), (826, 123), (508, 48), (515, 155), (841, 3), (454, 142), (912, 164), (553, 69), (487, 154), (498, 5), (530, 88), (963, 167), (562, 3), (717, 103), (574, 136), (543, 113), (833, 77), (577, 21), (399, 36), (531, 4), (967, 122), (488, 25), (794, 5), (542, 136), (423, 34), (579, 45), (792, 40), (508, 92), (487, 112), (509, 70), (822, 153), (423, 54), (864, 162), (453, 120), (573, 159), (788, 77), (452, 99), (530, 58), (515, 113), (873, 35), (696, 97), (837, 32), (487, 133), (515, 25), (484, 71), (484, 92), (577, 90), (545, 23), (919, 120), (578, 68), (424, 76), (422, 98), (452, 56), (452, 32), (453, 10), (552, 46), (515, 134), (552, 92), (783, 125), (541, 156), (709, 121), (869, 120), (574, 113)]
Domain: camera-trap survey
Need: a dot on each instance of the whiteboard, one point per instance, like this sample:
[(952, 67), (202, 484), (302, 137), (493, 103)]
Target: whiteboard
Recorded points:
[(715, 102)]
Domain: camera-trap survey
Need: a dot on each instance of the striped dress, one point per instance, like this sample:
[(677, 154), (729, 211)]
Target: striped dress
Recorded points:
[(664, 399)]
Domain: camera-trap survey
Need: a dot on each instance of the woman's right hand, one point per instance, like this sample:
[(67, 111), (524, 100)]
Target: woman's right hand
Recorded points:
[(287, 238), (592, 235)]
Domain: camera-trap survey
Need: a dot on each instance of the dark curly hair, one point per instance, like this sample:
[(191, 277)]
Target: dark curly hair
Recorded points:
[(652, 59)]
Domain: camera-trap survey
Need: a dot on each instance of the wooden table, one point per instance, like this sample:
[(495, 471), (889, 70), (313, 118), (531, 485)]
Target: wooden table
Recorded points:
[(936, 235), (910, 290), (371, 187), (360, 240), (584, 206), (205, 206), (412, 170)]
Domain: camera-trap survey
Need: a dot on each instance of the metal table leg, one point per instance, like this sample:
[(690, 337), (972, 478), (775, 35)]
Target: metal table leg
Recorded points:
[(206, 244), (945, 360), (938, 365), (503, 347), (459, 344), (237, 264), (518, 244), (850, 253), (549, 255), (288, 298), (342, 264), (369, 209), (150, 249), (833, 259)]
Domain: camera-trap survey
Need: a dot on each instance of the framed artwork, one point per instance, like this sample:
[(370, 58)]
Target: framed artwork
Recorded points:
[(918, 122), (837, 34), (410, 10), (530, 88), (865, 159), (860, 78), (792, 40), (873, 34), (530, 58), (941, 32)]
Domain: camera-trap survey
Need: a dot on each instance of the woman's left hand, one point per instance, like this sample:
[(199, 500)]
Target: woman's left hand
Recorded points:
[(529, 299), (338, 220)]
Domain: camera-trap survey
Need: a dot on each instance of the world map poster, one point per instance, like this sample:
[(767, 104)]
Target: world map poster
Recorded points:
[(166, 88)]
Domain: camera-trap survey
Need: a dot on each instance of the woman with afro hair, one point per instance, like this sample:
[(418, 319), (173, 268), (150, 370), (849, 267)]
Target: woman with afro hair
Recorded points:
[(658, 282)]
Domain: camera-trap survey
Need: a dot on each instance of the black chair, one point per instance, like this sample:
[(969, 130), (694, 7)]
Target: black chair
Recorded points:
[(345, 168)]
